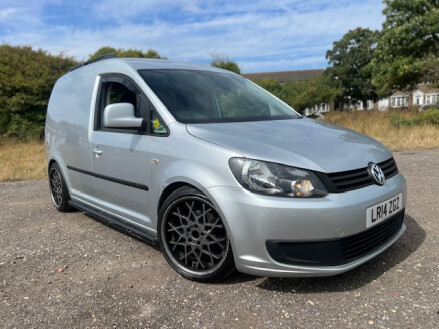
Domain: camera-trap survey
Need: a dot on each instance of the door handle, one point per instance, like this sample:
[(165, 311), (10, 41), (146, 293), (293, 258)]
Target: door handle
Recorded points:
[(97, 151)]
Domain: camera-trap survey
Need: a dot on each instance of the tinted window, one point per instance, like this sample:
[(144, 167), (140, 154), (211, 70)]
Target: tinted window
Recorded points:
[(200, 96), (116, 92)]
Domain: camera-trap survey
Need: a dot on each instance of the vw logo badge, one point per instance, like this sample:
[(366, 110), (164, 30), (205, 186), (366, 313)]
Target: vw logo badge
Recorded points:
[(376, 173)]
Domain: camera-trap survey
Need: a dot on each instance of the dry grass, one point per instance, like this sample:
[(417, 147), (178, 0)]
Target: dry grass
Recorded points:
[(22, 160), (377, 125), (27, 160)]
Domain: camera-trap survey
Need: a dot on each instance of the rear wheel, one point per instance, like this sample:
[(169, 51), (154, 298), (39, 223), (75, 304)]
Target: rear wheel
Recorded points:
[(193, 237), (58, 189)]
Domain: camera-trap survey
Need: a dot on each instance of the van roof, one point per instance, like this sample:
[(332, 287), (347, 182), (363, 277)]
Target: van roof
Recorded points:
[(149, 63)]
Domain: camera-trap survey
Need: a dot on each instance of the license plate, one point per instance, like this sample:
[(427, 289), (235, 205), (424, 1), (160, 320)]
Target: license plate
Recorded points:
[(381, 211)]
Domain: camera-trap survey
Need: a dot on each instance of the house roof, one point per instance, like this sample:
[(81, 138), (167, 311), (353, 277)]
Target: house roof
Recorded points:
[(425, 88), (285, 76), (401, 93)]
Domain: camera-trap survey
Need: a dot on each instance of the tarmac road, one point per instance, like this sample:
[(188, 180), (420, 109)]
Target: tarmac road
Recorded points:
[(69, 271)]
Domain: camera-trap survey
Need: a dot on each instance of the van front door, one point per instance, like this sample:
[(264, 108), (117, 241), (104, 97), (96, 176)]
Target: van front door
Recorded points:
[(120, 157)]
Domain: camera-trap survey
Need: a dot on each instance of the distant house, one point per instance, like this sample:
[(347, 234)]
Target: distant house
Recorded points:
[(422, 94)]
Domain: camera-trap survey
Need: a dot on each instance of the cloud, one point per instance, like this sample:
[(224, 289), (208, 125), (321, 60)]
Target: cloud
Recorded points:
[(282, 64), (260, 35), (6, 14)]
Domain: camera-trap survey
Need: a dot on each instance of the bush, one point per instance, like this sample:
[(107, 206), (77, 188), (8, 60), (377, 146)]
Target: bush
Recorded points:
[(223, 62), (430, 117), (130, 53), (27, 77), (397, 121)]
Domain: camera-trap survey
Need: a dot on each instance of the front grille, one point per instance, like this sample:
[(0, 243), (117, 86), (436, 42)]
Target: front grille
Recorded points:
[(354, 179), (336, 252), (358, 245), (389, 168)]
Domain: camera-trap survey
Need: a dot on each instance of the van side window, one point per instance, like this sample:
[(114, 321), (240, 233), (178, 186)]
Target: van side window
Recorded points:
[(157, 126), (117, 90), (118, 93)]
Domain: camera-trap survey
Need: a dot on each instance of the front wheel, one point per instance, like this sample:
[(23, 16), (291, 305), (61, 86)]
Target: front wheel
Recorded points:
[(193, 237)]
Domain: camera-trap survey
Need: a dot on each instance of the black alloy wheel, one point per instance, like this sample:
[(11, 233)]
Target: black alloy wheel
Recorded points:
[(58, 189), (193, 237)]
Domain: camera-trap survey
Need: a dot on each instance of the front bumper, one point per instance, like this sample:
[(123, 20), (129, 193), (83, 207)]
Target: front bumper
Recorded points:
[(252, 220)]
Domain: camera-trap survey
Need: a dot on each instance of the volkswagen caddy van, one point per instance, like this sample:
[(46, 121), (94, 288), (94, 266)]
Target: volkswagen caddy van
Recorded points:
[(217, 171)]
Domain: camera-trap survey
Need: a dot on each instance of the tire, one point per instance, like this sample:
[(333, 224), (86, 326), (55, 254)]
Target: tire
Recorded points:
[(58, 189), (193, 237)]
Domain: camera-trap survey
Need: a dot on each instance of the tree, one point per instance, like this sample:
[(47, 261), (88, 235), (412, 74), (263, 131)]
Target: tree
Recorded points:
[(349, 61), (407, 51), (131, 53), (223, 62), (302, 94), (27, 77), (277, 89), (305, 94)]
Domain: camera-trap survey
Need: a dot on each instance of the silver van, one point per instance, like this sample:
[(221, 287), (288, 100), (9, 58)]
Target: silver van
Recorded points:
[(217, 171)]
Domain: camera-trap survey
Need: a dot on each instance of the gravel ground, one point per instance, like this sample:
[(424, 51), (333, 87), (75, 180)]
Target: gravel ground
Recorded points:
[(69, 270)]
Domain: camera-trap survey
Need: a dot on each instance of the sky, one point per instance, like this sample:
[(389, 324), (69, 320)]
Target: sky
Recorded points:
[(260, 35)]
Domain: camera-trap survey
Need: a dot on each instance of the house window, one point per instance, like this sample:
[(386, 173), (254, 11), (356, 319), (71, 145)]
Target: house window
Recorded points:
[(400, 101), (317, 108), (432, 98)]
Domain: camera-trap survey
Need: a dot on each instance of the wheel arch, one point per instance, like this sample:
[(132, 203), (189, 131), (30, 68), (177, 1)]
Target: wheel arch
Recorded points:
[(171, 188), (51, 162)]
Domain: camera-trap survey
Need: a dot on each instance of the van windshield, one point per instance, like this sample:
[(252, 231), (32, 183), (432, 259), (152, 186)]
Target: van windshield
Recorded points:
[(202, 96)]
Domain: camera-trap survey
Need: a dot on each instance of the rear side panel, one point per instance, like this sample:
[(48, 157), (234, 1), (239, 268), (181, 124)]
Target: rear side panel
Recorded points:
[(67, 126)]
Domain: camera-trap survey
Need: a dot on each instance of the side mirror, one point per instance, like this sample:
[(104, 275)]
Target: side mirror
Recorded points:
[(121, 115)]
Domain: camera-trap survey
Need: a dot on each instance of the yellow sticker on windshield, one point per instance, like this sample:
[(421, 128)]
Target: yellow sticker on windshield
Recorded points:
[(156, 123)]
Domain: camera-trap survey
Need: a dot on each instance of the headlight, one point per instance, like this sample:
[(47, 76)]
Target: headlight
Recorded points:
[(275, 179)]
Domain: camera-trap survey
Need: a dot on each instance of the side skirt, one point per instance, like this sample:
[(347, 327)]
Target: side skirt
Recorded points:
[(115, 222)]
